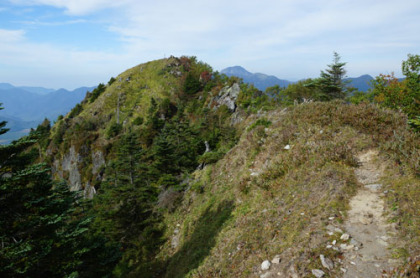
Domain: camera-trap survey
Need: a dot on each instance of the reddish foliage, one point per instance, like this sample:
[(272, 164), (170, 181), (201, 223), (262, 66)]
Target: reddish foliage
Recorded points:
[(185, 62), (205, 77)]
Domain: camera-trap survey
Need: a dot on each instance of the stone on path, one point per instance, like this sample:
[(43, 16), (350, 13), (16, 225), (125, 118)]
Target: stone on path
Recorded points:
[(327, 263), (318, 273), (265, 265)]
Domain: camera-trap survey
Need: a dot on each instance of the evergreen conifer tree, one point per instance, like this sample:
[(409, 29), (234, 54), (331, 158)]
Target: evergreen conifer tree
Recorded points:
[(331, 81), (43, 229), (124, 205)]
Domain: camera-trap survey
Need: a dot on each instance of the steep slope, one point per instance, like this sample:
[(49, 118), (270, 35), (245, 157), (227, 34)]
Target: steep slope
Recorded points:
[(124, 100), (195, 175), (282, 195), (151, 100)]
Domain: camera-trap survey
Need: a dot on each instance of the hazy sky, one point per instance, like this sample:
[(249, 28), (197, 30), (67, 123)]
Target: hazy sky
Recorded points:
[(58, 43)]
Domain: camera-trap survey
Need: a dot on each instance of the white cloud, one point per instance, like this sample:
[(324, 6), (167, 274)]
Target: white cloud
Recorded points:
[(288, 38), (74, 7), (54, 23), (27, 63), (7, 36)]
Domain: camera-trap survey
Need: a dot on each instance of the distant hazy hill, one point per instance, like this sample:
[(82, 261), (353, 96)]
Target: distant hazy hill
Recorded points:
[(362, 83), (263, 81), (36, 90), (260, 80), (26, 107)]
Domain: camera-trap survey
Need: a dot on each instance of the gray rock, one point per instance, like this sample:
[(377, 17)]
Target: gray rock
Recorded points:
[(89, 191), (265, 265), (175, 241), (97, 161), (327, 263), (346, 247), (345, 237), (70, 163), (343, 246), (227, 96), (318, 273), (56, 169), (276, 259), (206, 143)]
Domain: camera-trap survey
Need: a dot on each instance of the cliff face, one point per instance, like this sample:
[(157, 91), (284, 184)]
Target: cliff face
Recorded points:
[(274, 184)]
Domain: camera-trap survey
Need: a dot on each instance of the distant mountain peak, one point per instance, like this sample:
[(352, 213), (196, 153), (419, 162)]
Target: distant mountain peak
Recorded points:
[(260, 80), (236, 71)]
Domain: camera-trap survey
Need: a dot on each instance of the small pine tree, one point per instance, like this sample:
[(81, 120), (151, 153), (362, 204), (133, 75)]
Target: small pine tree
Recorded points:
[(191, 84), (331, 81)]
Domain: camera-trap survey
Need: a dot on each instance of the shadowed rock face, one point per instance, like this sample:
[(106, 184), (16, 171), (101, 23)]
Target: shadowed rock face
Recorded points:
[(97, 161), (227, 96), (70, 164)]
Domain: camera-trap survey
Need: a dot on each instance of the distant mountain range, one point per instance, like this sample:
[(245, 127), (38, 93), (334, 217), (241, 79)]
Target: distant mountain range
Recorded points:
[(26, 107), (262, 81)]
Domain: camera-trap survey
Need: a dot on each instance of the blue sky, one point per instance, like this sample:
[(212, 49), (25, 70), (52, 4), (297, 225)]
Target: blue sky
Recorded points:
[(73, 43)]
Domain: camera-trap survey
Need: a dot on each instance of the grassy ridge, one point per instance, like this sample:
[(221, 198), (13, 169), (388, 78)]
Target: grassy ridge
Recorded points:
[(290, 175), (281, 200)]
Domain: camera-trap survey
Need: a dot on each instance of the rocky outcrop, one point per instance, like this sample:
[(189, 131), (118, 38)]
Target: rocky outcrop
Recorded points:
[(70, 163), (227, 96), (89, 191), (68, 168), (98, 161)]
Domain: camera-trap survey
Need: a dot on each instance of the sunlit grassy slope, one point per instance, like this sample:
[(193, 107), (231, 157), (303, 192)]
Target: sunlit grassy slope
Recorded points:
[(264, 199)]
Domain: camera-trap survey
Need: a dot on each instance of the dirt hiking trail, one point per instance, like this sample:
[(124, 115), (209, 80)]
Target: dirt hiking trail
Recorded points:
[(366, 224)]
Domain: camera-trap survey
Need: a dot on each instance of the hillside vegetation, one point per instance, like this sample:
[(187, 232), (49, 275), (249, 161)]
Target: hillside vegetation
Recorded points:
[(189, 173)]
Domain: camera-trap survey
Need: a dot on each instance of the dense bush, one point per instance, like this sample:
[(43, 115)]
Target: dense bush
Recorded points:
[(404, 95), (210, 157), (113, 130), (191, 84), (98, 91), (76, 111), (138, 121)]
